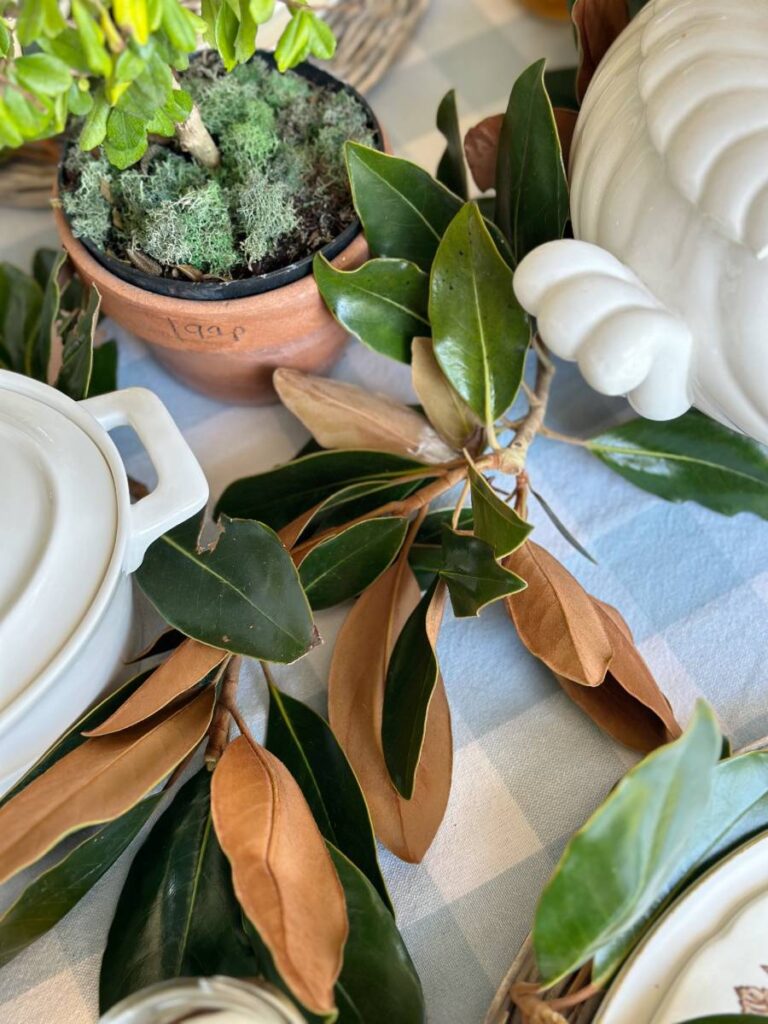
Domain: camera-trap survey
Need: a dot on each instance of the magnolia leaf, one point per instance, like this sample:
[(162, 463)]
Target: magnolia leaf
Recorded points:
[(189, 664), (283, 876), (74, 377), (177, 915), (279, 495), (305, 744), (494, 521), (241, 594), (451, 170), (644, 826), (164, 643), (383, 303), (531, 188), (51, 896), (480, 331), (342, 566), (341, 415), (378, 982), (560, 526), (691, 458), (355, 702), (96, 782), (565, 122), (557, 619), (730, 1018), (403, 210), (598, 24), (561, 88), (431, 529), (474, 577), (412, 675), (446, 410), (40, 342), (481, 147), (21, 299), (104, 372)]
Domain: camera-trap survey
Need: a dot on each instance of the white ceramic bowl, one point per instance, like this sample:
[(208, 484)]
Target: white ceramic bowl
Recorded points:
[(70, 539)]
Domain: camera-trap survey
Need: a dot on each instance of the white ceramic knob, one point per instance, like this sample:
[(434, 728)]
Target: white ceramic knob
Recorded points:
[(663, 294)]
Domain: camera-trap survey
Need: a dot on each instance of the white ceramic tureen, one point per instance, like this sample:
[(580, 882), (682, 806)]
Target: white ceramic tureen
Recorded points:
[(663, 295), (69, 538)]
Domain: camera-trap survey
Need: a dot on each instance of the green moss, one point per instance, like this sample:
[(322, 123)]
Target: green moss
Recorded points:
[(194, 229), (249, 144), (88, 209), (264, 211)]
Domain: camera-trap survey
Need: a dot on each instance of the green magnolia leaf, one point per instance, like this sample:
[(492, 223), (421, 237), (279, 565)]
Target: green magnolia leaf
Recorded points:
[(644, 827), (729, 1018), (690, 459), (38, 353), (452, 170), (177, 915), (411, 679), (480, 331), (42, 73), (242, 594), (54, 893), (77, 353), (305, 744), (279, 495), (494, 521), (342, 566), (404, 211), (560, 526), (737, 809), (383, 303), (378, 982), (531, 186), (561, 87), (474, 577), (21, 299), (431, 530), (104, 375)]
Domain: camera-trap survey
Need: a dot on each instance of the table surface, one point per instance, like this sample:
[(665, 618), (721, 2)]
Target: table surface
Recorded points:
[(529, 767)]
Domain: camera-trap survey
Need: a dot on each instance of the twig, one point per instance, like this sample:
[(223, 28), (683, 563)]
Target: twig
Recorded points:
[(459, 505), (513, 460), (241, 724), (218, 734), (554, 435)]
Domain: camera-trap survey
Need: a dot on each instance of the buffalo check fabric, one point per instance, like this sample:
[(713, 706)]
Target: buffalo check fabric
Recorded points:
[(529, 767)]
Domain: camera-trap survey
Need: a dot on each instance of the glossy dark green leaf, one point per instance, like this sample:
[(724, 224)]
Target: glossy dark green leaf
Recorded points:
[(729, 1018), (403, 210), (242, 594), (691, 458), (277, 496), (342, 566), (306, 745), (359, 499), (561, 87), (104, 374), (383, 303), (431, 530), (452, 171), (479, 329), (378, 982), (474, 577), (21, 299), (74, 377), (54, 893), (611, 871), (177, 915), (560, 526), (495, 522), (411, 679), (426, 560), (531, 188), (40, 341)]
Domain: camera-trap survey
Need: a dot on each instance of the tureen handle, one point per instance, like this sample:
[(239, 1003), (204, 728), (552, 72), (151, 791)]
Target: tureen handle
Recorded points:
[(181, 487)]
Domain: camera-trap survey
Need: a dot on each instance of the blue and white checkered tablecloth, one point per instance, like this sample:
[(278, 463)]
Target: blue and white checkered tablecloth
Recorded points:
[(529, 767)]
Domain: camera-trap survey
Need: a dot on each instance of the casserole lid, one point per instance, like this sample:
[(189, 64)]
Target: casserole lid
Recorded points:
[(58, 525)]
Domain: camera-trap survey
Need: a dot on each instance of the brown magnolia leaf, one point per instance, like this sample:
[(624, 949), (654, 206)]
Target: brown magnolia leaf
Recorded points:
[(189, 664), (291, 533), (615, 615), (557, 619), (283, 876), (163, 643), (446, 410), (341, 415), (481, 148), (598, 23), (98, 781), (355, 701)]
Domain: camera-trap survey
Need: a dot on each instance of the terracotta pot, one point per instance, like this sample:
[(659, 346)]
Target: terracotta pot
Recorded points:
[(227, 349)]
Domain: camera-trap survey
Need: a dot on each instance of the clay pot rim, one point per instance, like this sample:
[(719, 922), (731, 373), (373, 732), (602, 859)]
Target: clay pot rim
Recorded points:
[(242, 288)]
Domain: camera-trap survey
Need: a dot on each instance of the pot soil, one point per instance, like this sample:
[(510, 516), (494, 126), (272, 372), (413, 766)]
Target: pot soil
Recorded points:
[(226, 332)]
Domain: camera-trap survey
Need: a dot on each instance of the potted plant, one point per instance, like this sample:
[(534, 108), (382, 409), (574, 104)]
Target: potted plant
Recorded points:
[(195, 186)]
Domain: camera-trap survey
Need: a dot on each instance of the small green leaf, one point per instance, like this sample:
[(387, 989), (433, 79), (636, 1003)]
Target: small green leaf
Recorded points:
[(90, 41), (54, 893), (495, 522), (378, 982), (306, 745), (126, 140), (79, 101), (178, 106), (479, 329), (612, 869), (77, 350), (32, 117), (29, 24), (294, 43), (690, 459), (94, 128), (177, 915), (279, 495), (43, 73), (452, 171), (322, 42), (403, 210), (474, 577), (177, 24), (342, 566), (411, 679), (383, 303), (262, 10), (531, 187), (68, 47), (6, 38), (242, 594)]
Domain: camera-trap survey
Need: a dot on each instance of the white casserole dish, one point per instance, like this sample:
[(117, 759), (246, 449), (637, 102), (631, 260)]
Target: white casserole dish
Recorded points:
[(69, 540)]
